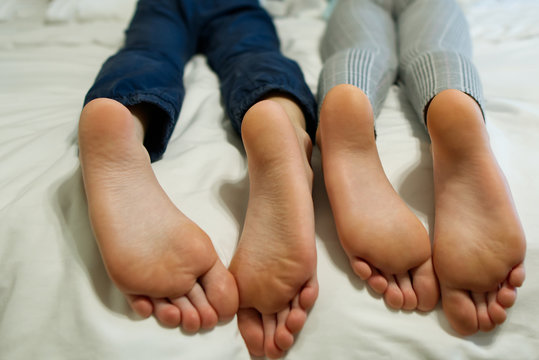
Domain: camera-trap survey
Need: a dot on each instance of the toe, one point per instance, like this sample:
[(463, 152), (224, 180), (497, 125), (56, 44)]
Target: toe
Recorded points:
[(483, 318), (425, 286), (283, 336), (297, 317), (140, 304), (495, 310), (208, 316), (190, 319), (459, 310), (166, 313), (252, 331), (309, 294), (361, 268), (221, 291), (393, 294), (377, 282), (507, 295), (270, 347), (409, 296), (517, 276)]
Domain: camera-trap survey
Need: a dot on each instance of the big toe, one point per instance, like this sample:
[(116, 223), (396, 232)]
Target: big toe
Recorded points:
[(221, 291), (460, 310)]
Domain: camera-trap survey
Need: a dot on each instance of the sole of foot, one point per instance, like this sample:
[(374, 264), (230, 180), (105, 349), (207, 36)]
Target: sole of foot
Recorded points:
[(479, 243), (275, 262), (163, 262), (386, 243)]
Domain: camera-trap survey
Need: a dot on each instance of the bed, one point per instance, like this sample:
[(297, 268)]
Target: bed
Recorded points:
[(56, 300)]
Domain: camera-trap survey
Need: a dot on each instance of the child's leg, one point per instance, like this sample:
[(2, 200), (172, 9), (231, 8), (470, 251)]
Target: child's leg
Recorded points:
[(265, 94), (135, 223), (479, 244), (386, 244)]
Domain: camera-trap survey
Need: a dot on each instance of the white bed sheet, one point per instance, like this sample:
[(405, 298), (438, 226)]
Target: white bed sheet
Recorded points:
[(56, 300)]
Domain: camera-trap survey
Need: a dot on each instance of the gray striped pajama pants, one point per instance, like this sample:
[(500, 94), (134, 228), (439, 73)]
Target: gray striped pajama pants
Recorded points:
[(423, 44)]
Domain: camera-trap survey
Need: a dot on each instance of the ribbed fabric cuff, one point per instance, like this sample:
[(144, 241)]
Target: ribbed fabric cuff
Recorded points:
[(433, 72), (363, 68)]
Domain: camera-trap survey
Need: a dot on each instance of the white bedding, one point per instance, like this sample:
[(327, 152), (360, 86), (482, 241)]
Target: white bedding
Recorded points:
[(56, 301)]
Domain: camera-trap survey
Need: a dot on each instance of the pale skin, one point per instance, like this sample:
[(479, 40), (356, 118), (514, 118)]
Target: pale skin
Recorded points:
[(162, 262), (275, 262), (479, 244), (166, 265), (385, 242), (277, 247)]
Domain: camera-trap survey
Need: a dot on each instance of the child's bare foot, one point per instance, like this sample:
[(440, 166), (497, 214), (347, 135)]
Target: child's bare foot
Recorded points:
[(275, 262), (163, 262), (386, 243), (479, 244)]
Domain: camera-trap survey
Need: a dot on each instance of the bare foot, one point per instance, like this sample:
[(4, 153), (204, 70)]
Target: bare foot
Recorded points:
[(479, 244), (386, 243), (163, 262), (275, 262)]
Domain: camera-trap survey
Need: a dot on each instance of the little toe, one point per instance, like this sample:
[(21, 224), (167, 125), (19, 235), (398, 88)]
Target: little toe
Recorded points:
[(252, 331), (459, 310), (361, 268), (393, 294), (270, 347), (166, 313), (495, 310), (221, 291), (517, 276), (309, 294), (297, 317), (506, 295), (483, 318), (190, 319), (140, 304), (377, 282), (409, 296), (284, 339), (208, 316)]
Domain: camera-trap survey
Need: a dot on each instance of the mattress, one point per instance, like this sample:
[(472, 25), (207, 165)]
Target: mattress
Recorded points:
[(56, 300)]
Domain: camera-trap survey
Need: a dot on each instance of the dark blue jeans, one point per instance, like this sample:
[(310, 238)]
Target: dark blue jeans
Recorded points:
[(241, 45)]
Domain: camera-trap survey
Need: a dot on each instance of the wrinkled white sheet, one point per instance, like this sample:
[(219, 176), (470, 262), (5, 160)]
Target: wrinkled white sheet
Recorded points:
[(56, 301)]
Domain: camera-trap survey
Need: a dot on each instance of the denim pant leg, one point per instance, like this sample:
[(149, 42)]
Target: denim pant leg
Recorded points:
[(240, 42), (242, 47), (160, 39)]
